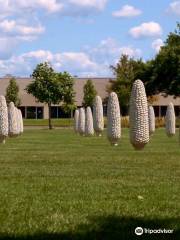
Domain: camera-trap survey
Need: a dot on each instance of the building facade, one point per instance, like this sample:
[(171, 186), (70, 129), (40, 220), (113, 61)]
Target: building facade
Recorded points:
[(31, 108)]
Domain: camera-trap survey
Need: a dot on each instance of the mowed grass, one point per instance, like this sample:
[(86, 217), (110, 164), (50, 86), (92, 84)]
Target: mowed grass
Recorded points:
[(58, 185)]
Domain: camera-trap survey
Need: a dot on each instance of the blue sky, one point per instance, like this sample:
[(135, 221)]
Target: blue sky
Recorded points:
[(83, 37)]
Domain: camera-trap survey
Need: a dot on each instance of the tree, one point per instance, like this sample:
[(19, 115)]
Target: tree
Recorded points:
[(166, 66), (89, 94), (12, 92), (49, 87), (124, 72), (67, 83)]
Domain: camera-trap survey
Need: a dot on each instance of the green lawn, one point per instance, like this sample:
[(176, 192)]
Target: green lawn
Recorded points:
[(60, 122), (57, 185)]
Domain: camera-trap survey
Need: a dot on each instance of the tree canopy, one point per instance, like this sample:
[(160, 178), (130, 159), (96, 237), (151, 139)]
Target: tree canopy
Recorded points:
[(89, 93), (166, 66), (67, 83), (12, 92)]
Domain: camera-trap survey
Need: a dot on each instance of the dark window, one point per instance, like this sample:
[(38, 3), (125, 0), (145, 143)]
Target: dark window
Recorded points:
[(163, 111), (31, 112), (156, 111), (62, 114), (54, 112), (105, 110), (22, 111), (58, 112), (177, 110), (40, 112)]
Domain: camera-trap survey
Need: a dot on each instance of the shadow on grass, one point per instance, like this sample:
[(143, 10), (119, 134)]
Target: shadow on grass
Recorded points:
[(108, 228)]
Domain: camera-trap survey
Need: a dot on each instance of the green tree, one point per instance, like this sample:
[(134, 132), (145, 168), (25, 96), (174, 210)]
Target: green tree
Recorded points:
[(12, 92), (166, 66), (67, 84), (89, 93), (48, 87), (125, 75), (126, 72)]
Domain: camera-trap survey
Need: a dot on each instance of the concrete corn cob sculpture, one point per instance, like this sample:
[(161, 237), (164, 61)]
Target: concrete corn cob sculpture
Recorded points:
[(113, 119), (81, 123), (170, 121), (151, 120), (21, 122), (98, 118), (89, 129), (138, 117), (18, 121), (76, 120), (3, 120), (12, 117)]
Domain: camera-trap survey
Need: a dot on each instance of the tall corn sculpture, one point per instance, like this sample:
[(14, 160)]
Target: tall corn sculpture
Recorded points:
[(12, 117), (98, 118), (138, 117), (76, 120), (81, 123), (21, 122), (3, 120), (113, 119), (170, 121), (89, 129), (18, 121), (151, 120)]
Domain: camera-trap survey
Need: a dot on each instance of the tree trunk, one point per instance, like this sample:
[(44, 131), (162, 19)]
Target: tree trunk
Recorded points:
[(50, 124)]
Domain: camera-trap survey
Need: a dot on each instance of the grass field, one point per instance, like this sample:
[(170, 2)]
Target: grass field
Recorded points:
[(60, 122), (68, 122), (57, 185)]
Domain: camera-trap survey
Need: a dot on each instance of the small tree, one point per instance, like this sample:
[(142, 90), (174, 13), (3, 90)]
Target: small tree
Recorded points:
[(46, 87), (67, 83), (124, 72), (12, 92), (89, 93)]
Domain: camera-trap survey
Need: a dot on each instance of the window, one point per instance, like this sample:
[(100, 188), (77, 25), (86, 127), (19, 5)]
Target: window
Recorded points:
[(35, 112), (163, 111), (177, 110), (22, 111), (105, 110), (54, 112), (39, 112), (62, 114), (156, 111), (58, 112), (31, 112)]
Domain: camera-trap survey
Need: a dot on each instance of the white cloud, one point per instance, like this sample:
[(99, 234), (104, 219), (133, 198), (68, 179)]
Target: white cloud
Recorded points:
[(157, 44), (98, 4), (127, 11), (74, 62), (15, 28), (108, 50), (50, 5), (91, 61), (62, 7), (147, 29), (15, 6), (174, 8)]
